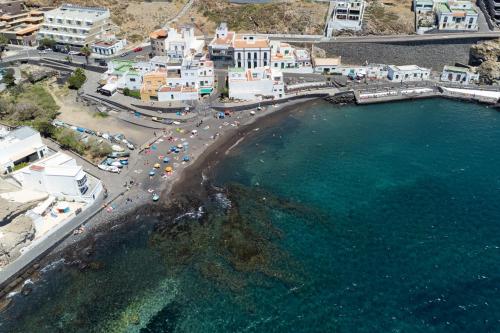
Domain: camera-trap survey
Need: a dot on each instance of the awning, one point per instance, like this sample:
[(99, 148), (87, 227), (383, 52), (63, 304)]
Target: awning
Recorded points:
[(206, 90)]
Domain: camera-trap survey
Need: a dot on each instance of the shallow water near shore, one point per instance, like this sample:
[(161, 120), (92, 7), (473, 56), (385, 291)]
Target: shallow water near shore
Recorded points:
[(379, 218)]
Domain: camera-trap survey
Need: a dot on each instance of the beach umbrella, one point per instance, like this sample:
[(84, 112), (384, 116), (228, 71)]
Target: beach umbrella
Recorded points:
[(152, 172), (176, 150), (185, 158), (180, 146), (169, 169), (166, 160), (185, 143), (157, 165)]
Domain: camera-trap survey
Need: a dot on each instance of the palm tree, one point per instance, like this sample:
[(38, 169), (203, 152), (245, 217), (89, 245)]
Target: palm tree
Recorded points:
[(68, 59), (86, 52), (3, 42)]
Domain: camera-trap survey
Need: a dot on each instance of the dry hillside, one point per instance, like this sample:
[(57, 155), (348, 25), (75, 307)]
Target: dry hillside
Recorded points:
[(137, 18), (389, 17)]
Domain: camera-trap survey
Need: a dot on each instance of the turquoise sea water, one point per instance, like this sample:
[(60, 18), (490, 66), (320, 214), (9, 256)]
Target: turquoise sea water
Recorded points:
[(380, 218)]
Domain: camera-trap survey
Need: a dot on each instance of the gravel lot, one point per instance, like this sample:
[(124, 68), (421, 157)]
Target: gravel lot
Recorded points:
[(428, 54)]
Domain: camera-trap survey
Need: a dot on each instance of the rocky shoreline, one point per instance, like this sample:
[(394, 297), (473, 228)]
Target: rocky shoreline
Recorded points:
[(77, 250)]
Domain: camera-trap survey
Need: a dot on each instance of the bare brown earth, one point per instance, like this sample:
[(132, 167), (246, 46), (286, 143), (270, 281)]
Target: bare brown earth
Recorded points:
[(389, 17)]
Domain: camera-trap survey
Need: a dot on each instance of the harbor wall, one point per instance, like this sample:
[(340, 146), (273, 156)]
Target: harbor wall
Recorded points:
[(433, 54)]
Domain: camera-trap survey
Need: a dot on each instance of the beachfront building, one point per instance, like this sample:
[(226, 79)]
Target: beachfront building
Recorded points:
[(59, 176), (456, 15), (20, 146), (326, 65), (20, 28), (175, 44), (151, 83), (76, 26), (255, 83), (221, 46), (188, 81), (460, 75), (344, 15), (108, 45), (251, 51), (407, 73)]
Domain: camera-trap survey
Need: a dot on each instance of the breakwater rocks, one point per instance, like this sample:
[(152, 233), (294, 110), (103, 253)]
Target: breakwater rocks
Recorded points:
[(427, 54), (342, 98)]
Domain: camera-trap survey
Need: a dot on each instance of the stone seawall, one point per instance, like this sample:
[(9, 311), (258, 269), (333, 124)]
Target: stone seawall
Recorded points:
[(433, 54)]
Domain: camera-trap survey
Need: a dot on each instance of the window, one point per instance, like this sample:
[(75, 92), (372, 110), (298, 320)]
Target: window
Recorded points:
[(239, 55), (82, 181), (255, 55), (255, 64), (249, 55), (265, 55), (249, 64), (132, 79), (265, 63)]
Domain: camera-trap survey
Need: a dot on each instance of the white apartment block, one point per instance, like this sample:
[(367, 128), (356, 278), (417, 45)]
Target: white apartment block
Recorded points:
[(255, 83), (456, 15), (344, 15), (251, 51), (22, 145), (59, 176), (407, 73), (175, 44), (108, 45), (458, 75), (76, 26)]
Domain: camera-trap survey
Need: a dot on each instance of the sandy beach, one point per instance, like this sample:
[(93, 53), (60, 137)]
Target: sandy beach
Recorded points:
[(214, 139)]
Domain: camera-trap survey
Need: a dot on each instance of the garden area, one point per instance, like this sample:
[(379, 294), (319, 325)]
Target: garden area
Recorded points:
[(31, 104)]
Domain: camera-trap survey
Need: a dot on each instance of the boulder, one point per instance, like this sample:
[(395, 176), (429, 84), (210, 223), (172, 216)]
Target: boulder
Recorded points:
[(486, 51)]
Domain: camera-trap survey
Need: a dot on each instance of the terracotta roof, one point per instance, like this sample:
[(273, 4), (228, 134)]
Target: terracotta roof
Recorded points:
[(160, 33), (177, 89), (228, 40), (256, 43), (327, 61), (37, 168)]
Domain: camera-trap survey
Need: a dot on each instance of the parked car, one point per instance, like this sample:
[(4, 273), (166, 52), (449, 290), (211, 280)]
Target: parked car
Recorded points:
[(74, 53), (137, 49), (124, 54), (42, 52), (117, 154)]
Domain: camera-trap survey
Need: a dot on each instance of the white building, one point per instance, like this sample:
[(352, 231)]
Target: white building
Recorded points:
[(344, 15), (22, 145), (326, 65), (458, 75), (108, 46), (255, 83), (221, 47), (175, 44), (59, 176), (251, 51), (193, 78), (456, 15), (124, 74), (76, 26), (407, 73)]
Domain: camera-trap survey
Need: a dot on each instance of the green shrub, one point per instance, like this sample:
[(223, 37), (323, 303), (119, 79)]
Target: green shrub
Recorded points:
[(68, 139), (77, 79)]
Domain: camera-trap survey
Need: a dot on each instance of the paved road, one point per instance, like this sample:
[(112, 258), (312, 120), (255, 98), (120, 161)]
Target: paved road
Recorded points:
[(387, 38)]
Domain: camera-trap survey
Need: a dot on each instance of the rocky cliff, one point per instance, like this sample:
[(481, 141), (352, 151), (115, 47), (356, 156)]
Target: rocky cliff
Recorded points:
[(486, 55), (16, 229)]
